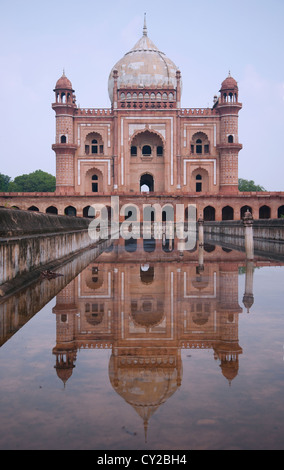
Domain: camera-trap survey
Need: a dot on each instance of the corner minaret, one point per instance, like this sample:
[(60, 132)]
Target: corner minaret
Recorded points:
[(64, 147), (228, 107)]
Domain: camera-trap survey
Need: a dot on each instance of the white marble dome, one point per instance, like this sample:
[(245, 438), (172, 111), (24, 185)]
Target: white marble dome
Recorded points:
[(143, 66)]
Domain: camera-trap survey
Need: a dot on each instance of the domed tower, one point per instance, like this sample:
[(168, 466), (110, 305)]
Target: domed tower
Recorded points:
[(144, 76), (65, 350), (228, 107), (64, 147)]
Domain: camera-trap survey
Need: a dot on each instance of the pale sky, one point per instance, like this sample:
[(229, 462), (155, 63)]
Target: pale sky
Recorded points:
[(204, 38)]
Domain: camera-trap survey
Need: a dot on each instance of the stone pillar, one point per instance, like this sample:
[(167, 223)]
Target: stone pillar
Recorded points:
[(201, 231), (248, 298), (248, 225)]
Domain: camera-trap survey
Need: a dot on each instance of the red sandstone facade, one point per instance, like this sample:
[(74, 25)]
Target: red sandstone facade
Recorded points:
[(146, 148)]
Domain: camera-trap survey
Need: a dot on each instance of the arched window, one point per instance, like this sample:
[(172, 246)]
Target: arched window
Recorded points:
[(95, 183), (63, 139), (94, 146), (230, 139), (159, 151), (146, 150), (199, 146), (133, 151), (198, 183), (199, 143)]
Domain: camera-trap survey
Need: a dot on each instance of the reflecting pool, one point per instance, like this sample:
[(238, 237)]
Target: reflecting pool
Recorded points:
[(146, 347)]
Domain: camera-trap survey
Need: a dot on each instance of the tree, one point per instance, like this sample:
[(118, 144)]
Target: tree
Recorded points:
[(38, 181), (249, 185), (4, 182)]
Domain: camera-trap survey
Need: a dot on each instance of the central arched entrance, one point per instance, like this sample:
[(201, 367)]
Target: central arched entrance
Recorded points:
[(146, 183)]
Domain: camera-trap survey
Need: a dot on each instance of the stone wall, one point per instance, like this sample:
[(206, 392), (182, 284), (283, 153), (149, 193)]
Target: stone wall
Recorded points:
[(30, 241), (263, 229), (268, 236), (15, 222)]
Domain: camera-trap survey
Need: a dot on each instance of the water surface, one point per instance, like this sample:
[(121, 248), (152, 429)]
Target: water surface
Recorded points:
[(146, 348)]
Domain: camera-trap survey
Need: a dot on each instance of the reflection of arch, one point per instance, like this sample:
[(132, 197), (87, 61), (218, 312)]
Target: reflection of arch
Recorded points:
[(146, 183), (94, 279), (209, 213), (94, 313), (200, 281), (130, 245), (227, 213), (70, 210), (130, 211), (146, 273), (244, 209), (149, 245), (209, 248), (147, 312), (264, 212), (200, 318), (51, 210), (168, 245)]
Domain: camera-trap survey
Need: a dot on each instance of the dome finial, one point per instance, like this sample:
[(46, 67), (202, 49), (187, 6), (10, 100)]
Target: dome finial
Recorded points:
[(145, 26)]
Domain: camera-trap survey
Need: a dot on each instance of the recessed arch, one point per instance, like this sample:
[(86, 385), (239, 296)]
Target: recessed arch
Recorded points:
[(200, 180), (71, 211), (89, 212), (244, 209), (94, 181), (209, 213), (200, 143), (33, 208), (227, 213), (147, 143), (264, 212), (147, 273), (280, 212), (94, 144), (147, 183), (51, 210)]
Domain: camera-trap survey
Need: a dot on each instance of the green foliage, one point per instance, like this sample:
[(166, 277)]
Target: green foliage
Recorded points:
[(4, 182), (38, 181), (249, 185)]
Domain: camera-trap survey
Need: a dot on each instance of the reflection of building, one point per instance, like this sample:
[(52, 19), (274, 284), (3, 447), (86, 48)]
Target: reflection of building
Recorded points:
[(146, 314), (146, 141)]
